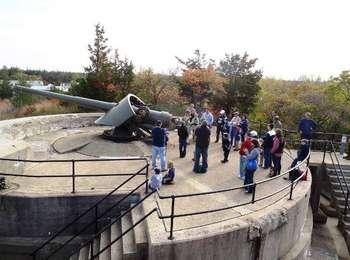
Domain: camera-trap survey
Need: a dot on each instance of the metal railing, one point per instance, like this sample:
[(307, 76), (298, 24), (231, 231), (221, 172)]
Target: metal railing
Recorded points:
[(96, 236), (340, 176), (254, 186), (95, 210), (74, 174)]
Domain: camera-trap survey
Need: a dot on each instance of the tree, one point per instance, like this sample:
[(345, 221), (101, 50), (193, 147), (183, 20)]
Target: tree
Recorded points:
[(241, 82), (106, 79), (122, 75), (5, 89), (199, 80)]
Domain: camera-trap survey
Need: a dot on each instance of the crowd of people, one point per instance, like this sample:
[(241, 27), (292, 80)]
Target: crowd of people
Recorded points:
[(265, 151)]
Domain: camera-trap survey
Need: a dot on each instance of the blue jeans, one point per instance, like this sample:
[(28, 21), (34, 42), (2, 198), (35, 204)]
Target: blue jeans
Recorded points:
[(197, 155), (156, 150), (267, 158), (249, 175), (242, 166)]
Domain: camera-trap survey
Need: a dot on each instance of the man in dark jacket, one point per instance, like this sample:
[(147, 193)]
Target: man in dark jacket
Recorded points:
[(302, 153), (267, 145), (226, 147), (202, 135), (220, 123), (158, 146), (182, 132), (306, 127)]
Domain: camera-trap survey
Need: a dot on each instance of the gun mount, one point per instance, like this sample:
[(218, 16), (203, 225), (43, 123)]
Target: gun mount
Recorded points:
[(131, 118)]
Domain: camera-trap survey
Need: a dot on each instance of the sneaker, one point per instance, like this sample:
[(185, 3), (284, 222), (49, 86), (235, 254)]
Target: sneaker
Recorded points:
[(163, 170)]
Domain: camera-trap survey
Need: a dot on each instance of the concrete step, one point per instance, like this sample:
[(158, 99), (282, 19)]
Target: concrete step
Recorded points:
[(74, 257), (117, 247), (105, 240), (345, 170), (345, 224), (96, 248), (140, 232), (129, 245), (335, 178), (340, 200), (337, 185), (84, 253)]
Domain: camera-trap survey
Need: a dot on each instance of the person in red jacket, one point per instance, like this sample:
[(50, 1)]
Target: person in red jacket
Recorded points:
[(246, 145)]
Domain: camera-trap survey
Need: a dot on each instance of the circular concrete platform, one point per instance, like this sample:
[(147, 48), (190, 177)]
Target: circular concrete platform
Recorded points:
[(92, 144)]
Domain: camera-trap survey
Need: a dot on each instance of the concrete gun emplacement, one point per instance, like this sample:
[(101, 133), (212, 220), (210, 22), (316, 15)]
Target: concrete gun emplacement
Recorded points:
[(131, 118)]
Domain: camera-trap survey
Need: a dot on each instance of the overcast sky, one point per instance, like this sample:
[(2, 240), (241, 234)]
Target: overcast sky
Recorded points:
[(290, 38)]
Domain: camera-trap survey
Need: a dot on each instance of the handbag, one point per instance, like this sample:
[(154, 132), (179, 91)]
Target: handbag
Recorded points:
[(252, 165)]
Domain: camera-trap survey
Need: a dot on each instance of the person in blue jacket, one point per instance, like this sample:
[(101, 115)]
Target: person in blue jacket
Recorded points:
[(306, 127)]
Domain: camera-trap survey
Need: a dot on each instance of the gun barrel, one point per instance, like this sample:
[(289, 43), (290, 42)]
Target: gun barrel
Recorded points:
[(84, 102)]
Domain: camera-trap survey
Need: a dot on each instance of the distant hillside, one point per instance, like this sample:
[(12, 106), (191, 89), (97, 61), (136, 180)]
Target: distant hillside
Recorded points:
[(48, 77)]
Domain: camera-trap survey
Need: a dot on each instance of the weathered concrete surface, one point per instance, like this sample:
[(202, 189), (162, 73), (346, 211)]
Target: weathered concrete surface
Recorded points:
[(300, 250), (40, 216), (267, 228), (269, 233)]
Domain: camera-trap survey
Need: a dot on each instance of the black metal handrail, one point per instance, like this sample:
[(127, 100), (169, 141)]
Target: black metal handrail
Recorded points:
[(124, 233), (341, 179), (73, 173), (173, 197), (90, 241), (96, 220), (94, 208)]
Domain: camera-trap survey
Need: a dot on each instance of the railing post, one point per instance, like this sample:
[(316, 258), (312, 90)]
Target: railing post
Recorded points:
[(92, 249), (291, 190), (96, 217), (171, 237), (324, 151), (147, 177), (73, 176), (346, 204), (253, 193)]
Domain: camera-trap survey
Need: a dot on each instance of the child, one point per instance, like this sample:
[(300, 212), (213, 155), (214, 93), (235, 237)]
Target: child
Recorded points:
[(226, 146), (156, 180), (169, 177)]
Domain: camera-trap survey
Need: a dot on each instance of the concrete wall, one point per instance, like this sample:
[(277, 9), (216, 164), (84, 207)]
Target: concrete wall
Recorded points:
[(30, 216), (14, 131), (265, 234), (18, 129)]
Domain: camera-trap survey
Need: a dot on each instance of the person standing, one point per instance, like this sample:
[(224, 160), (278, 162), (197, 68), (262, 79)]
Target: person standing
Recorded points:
[(267, 145), (306, 127), (194, 122), (247, 144), (277, 152), (208, 117), (234, 130), (244, 125), (251, 158), (277, 122), (158, 146), (226, 147), (220, 124), (202, 136), (182, 132)]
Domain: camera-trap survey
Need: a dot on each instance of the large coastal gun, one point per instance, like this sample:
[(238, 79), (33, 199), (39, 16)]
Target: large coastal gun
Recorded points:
[(131, 118)]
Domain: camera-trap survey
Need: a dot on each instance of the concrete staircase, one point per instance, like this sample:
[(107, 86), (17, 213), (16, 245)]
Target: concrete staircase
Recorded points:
[(132, 246), (340, 199)]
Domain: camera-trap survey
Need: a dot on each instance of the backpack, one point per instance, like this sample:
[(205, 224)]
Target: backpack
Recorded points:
[(252, 165)]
